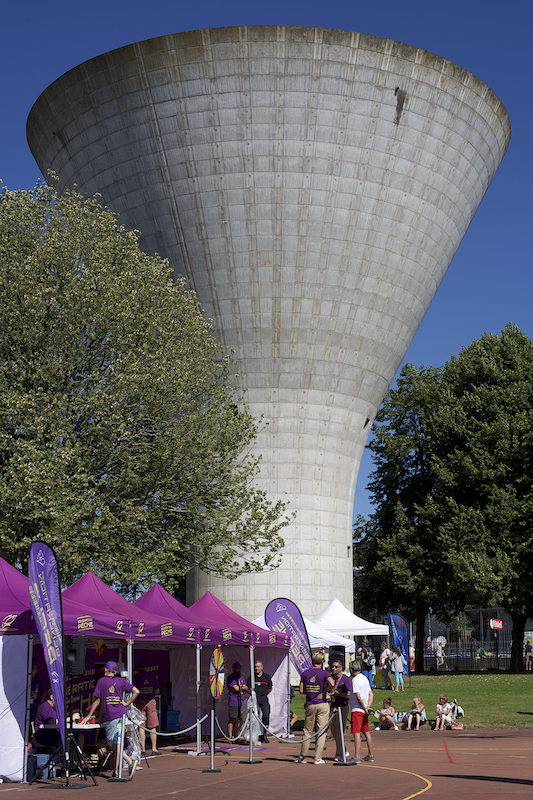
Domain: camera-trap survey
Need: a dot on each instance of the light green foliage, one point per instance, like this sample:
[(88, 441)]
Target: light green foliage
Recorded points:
[(121, 444), (453, 487)]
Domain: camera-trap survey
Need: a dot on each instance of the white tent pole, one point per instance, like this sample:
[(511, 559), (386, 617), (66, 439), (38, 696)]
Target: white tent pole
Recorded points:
[(28, 709), (250, 704), (250, 712), (129, 656), (198, 699)]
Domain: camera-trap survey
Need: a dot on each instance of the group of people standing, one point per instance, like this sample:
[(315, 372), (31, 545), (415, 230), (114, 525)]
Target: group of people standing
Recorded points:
[(240, 689), (392, 661), (351, 692)]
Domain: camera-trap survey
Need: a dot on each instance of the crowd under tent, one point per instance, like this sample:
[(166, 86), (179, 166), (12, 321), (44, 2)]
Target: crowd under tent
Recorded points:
[(338, 619), (107, 621)]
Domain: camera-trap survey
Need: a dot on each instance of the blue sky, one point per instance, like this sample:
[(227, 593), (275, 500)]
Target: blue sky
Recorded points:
[(490, 281)]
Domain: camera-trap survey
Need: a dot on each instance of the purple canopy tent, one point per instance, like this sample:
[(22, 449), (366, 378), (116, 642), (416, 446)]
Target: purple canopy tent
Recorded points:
[(264, 645), (137, 624), (239, 631), (218, 625)]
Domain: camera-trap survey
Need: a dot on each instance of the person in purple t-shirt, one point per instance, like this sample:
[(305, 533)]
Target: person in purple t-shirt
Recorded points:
[(314, 683), (236, 689), (108, 693), (46, 715), (339, 699)]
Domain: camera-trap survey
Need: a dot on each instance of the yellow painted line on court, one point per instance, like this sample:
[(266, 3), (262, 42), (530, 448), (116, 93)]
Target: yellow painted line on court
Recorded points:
[(406, 772)]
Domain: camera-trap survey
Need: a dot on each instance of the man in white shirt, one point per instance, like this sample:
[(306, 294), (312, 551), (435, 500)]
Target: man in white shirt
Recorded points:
[(361, 698)]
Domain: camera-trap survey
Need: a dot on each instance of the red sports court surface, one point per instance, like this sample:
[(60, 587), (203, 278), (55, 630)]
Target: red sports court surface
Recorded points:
[(452, 764)]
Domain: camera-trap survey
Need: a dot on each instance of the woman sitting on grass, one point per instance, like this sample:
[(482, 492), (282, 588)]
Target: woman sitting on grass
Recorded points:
[(386, 717), (415, 714), (444, 713)]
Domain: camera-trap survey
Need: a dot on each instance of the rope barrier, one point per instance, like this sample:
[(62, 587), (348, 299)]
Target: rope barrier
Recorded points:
[(284, 741), (171, 733), (234, 738)]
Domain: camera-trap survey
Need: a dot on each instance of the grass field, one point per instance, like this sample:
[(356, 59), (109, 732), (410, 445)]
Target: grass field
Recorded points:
[(489, 699)]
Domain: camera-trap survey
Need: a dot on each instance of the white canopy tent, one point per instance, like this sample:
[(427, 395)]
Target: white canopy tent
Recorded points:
[(318, 637), (338, 619)]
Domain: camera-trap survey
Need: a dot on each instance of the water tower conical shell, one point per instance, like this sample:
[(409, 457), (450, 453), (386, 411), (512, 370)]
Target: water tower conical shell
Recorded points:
[(313, 185)]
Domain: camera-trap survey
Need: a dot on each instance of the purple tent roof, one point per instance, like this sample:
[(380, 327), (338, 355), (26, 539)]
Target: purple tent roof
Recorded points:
[(237, 630), (159, 601), (15, 613), (16, 616), (135, 622)]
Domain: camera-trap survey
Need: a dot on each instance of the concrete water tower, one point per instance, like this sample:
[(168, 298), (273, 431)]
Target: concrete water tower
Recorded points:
[(313, 185)]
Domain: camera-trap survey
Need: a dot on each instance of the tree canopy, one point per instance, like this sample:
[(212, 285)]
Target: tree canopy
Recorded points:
[(453, 486), (124, 441)]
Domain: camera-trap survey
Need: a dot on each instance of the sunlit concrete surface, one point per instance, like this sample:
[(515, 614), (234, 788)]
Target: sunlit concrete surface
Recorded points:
[(313, 185)]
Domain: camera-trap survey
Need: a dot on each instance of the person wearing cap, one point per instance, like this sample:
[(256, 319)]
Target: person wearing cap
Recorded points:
[(236, 689), (145, 702), (108, 695)]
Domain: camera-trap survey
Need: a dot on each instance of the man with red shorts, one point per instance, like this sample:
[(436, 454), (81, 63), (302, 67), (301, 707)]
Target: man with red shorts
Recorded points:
[(148, 686), (361, 698)]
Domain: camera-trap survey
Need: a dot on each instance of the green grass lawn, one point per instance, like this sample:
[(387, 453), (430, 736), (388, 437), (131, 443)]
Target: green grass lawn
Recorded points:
[(489, 700)]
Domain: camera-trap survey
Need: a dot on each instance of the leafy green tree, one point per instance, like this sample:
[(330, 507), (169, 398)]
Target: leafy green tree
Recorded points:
[(121, 442), (399, 552), (484, 458), (453, 487)]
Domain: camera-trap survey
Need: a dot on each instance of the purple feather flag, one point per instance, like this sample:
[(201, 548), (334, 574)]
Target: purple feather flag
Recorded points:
[(284, 616), (45, 598)]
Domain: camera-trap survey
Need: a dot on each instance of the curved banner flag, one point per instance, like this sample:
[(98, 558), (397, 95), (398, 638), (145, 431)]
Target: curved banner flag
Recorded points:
[(401, 638), (284, 616), (45, 597)]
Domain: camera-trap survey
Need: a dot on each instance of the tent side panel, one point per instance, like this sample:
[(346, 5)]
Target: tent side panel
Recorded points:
[(13, 682)]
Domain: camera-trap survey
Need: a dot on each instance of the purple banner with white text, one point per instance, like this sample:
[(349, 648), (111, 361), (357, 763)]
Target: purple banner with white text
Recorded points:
[(284, 616), (401, 638), (45, 597)]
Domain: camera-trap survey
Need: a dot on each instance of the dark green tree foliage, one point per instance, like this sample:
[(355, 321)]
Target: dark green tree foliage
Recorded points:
[(121, 444), (453, 488), (484, 457), (400, 555)]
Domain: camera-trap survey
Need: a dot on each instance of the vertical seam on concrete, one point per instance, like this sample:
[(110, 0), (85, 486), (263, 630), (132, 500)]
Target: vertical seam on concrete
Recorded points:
[(164, 164)]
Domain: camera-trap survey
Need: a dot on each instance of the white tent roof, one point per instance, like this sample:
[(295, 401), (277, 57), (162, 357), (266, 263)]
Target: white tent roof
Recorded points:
[(318, 637), (338, 619)]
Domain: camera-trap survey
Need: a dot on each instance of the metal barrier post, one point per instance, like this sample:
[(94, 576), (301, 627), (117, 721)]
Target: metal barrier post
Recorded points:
[(212, 748), (344, 762)]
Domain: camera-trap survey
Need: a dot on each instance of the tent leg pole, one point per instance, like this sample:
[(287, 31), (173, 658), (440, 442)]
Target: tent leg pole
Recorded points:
[(250, 711), (28, 710), (198, 750)]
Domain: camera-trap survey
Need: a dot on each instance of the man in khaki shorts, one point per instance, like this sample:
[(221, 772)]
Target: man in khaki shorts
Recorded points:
[(314, 683)]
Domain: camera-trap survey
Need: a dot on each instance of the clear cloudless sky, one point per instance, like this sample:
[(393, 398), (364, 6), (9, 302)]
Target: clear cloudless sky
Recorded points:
[(490, 281)]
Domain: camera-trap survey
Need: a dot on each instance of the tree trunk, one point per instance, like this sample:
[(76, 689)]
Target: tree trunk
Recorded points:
[(420, 641), (517, 646)]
